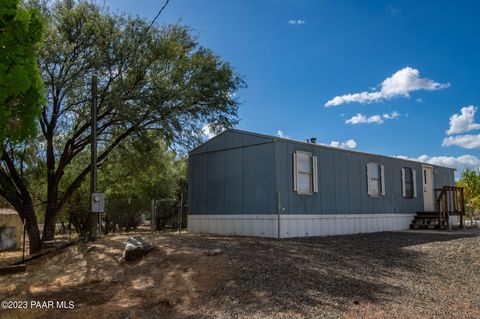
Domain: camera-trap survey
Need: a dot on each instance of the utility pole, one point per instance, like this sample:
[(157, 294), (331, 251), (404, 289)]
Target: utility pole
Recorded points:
[(180, 214), (93, 161)]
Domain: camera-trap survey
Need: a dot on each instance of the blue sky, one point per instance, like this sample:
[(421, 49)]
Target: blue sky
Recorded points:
[(297, 55)]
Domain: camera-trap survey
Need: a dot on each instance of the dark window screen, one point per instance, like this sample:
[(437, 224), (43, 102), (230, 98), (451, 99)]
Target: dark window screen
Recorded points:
[(408, 182)]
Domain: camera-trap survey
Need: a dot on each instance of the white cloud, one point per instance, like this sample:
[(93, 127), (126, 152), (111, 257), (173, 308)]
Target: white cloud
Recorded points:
[(391, 116), (209, 132), (392, 10), (347, 144), (454, 162), (463, 122), (468, 141), (460, 163), (401, 83), (296, 21), (360, 118), (281, 134), (419, 100)]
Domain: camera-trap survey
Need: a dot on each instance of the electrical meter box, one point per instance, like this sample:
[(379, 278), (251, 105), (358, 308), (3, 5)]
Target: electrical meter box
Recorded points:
[(98, 202)]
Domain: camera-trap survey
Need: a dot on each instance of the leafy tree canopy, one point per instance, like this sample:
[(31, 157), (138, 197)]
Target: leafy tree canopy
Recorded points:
[(153, 83), (21, 87), (470, 181)]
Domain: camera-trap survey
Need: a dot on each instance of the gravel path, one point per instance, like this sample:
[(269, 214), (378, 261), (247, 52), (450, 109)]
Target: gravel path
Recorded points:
[(394, 275)]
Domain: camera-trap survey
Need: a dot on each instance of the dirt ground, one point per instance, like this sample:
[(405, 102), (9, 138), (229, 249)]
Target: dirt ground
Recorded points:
[(379, 275), (10, 257)]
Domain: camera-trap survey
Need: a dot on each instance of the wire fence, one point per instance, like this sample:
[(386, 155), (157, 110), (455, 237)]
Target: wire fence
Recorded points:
[(126, 214), (167, 213)]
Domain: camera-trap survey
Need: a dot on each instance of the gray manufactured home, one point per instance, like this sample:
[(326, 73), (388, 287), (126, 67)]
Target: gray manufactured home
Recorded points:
[(248, 184)]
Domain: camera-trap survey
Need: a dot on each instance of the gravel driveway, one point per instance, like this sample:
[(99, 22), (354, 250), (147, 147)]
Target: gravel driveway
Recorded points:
[(378, 275)]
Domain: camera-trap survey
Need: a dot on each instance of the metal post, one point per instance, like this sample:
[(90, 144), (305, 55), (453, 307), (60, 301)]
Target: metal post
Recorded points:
[(93, 147), (462, 210), (279, 212), (180, 213)]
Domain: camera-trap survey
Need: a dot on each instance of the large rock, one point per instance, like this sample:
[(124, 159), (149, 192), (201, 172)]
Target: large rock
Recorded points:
[(135, 248), (214, 252)]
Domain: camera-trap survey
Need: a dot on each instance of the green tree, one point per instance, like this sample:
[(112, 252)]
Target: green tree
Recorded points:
[(135, 173), (153, 82), (21, 87), (470, 181)]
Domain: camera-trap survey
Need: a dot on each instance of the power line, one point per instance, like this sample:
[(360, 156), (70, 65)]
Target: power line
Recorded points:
[(133, 51), (158, 14), (154, 19)]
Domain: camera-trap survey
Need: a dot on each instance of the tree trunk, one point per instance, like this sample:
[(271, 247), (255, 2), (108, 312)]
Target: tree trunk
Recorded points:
[(31, 227), (52, 181), (49, 225)]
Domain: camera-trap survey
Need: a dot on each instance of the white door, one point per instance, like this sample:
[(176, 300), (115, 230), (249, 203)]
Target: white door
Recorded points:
[(427, 180)]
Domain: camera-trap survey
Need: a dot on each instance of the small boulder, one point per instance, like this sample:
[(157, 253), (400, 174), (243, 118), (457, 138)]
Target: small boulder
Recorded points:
[(135, 248), (214, 252)]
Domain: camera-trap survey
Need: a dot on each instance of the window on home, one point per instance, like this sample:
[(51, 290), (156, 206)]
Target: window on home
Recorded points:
[(409, 188), (375, 179), (305, 173)]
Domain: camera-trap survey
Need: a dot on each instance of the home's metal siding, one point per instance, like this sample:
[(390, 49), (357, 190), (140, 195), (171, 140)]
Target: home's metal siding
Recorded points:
[(234, 175), (216, 181), (326, 167), (342, 177), (443, 176), (197, 185), (242, 173), (354, 185), (341, 181), (233, 181), (258, 179)]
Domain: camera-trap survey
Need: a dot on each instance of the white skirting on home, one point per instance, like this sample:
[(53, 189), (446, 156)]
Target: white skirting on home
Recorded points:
[(297, 225)]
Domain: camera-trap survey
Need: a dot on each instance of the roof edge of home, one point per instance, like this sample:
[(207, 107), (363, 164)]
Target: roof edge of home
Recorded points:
[(277, 138)]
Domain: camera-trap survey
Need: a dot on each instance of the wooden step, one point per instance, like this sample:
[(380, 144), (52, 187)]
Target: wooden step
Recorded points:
[(426, 217), (426, 220), (427, 213), (424, 226)]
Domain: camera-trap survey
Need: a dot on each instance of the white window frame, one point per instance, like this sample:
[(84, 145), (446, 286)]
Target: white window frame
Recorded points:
[(313, 173), (380, 181)]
